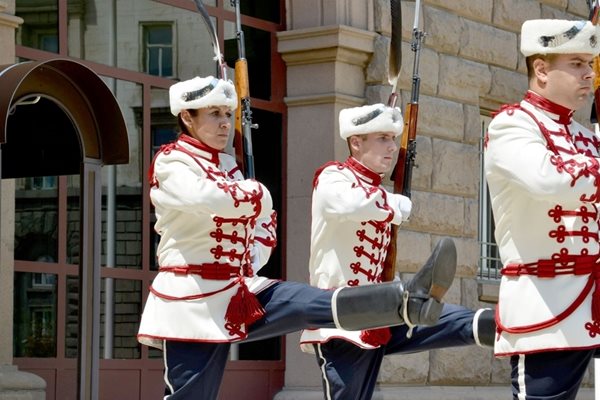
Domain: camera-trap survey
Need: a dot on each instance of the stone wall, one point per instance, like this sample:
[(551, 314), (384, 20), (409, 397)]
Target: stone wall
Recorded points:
[(469, 66)]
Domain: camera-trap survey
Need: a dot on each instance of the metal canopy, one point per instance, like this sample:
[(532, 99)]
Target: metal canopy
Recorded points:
[(57, 117), (32, 99)]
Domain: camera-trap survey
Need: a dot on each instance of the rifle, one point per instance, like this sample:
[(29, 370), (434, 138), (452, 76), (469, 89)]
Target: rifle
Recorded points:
[(242, 139), (243, 114), (402, 172)]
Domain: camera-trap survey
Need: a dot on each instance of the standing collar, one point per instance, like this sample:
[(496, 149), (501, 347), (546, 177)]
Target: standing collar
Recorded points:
[(557, 112), (201, 149), (366, 174)]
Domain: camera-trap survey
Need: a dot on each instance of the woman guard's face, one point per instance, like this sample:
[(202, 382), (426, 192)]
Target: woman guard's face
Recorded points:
[(210, 125)]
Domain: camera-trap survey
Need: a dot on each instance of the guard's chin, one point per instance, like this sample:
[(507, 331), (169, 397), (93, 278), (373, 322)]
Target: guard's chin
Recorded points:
[(385, 168)]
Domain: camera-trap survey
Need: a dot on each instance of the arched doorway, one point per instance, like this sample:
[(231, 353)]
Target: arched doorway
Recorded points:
[(59, 118)]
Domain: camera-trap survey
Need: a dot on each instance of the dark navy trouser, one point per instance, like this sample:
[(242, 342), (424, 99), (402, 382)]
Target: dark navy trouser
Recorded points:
[(349, 372), (553, 375), (194, 370)]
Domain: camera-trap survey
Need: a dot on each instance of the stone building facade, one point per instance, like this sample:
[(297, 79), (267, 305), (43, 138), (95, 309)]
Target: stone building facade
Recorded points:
[(469, 66)]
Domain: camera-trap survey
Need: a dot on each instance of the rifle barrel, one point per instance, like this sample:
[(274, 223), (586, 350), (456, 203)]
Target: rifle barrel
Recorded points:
[(241, 43)]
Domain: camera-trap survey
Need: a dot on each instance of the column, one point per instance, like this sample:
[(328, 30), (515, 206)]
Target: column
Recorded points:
[(325, 73), (13, 383)]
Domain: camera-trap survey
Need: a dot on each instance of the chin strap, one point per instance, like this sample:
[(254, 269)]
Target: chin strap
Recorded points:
[(405, 317)]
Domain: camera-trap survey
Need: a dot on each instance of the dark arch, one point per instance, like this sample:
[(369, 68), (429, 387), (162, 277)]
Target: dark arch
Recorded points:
[(86, 119), (41, 141)]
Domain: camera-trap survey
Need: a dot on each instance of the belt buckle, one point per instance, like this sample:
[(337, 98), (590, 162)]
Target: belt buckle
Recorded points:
[(546, 269)]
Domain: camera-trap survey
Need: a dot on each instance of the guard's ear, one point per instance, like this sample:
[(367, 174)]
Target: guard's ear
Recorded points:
[(186, 117), (540, 69), (354, 143)]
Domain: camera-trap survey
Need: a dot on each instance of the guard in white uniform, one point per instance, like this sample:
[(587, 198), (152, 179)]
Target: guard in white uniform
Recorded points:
[(543, 175), (352, 214), (217, 230)]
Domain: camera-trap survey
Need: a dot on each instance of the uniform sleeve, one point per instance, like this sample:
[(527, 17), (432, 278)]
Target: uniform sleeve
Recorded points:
[(516, 152), (265, 240), (341, 196), (183, 185)]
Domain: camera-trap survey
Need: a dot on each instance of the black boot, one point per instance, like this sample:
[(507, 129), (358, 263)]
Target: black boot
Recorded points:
[(368, 306), (484, 327), (391, 303), (432, 280)]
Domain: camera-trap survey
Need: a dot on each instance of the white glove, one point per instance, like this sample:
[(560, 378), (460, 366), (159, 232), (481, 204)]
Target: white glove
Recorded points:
[(405, 206), (255, 259)]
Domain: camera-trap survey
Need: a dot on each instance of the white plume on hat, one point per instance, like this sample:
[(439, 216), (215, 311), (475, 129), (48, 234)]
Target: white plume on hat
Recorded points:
[(201, 93), (370, 119), (557, 36)]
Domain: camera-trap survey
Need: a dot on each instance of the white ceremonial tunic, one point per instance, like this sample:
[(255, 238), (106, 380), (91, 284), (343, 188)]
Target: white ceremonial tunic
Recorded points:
[(208, 218), (542, 173), (351, 224)]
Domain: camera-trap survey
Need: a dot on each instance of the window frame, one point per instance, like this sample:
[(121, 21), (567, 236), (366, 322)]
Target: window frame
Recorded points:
[(145, 27), (489, 260)]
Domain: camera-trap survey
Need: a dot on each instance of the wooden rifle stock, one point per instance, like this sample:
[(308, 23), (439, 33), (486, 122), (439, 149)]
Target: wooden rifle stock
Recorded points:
[(242, 136), (402, 170), (401, 175), (242, 140)]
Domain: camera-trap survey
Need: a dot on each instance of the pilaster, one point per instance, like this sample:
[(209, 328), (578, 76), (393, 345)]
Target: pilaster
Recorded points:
[(325, 73), (14, 384)]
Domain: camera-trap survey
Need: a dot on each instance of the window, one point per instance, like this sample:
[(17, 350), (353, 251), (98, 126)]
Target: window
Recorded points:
[(158, 49), (34, 315), (489, 258), (40, 24), (42, 182), (42, 280), (49, 42), (162, 135), (163, 130), (41, 322)]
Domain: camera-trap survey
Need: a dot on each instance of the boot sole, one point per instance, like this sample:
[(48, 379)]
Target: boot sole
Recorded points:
[(444, 269)]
